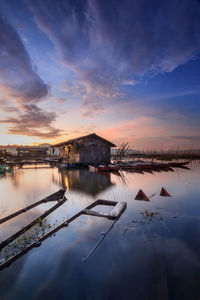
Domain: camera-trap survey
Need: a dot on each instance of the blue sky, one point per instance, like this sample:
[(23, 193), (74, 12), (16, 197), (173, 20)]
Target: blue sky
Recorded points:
[(127, 70)]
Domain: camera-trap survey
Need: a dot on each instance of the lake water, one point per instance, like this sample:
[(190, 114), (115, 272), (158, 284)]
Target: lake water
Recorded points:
[(142, 257)]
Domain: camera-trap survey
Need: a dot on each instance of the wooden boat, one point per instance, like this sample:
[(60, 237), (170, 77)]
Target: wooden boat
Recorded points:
[(115, 214), (27, 227), (139, 167), (104, 168), (100, 168), (114, 167), (152, 166), (178, 164), (53, 197), (92, 168)]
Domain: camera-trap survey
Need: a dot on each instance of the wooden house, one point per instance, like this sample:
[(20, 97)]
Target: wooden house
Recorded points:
[(88, 149)]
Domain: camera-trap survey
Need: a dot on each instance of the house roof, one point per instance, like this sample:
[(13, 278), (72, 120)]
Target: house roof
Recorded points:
[(93, 135)]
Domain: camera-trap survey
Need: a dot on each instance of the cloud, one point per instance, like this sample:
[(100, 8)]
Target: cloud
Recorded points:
[(7, 106), (111, 43), (195, 138), (73, 89), (150, 133), (21, 87), (93, 97), (140, 127), (18, 77), (129, 82), (92, 101), (33, 121)]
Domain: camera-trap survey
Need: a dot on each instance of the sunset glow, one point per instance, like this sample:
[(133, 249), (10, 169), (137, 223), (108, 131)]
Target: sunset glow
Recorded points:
[(127, 70)]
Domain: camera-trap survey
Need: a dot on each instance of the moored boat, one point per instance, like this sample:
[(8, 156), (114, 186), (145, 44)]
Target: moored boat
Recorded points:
[(104, 168)]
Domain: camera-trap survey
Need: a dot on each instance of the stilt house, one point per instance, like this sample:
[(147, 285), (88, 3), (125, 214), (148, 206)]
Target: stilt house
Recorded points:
[(88, 149)]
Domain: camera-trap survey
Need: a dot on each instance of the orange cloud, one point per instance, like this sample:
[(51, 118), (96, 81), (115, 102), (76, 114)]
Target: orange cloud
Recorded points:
[(147, 133)]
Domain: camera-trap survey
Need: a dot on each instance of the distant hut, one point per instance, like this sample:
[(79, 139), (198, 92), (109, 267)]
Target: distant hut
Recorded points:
[(88, 149), (33, 153)]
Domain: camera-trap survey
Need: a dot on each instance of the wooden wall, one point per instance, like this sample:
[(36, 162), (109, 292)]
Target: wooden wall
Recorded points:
[(94, 152), (86, 151)]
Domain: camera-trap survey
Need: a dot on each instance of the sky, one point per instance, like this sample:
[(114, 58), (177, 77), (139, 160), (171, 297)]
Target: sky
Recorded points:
[(126, 70)]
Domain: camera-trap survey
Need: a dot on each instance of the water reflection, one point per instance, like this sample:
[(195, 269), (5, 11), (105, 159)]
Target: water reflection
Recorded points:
[(11, 278), (84, 181), (157, 258)]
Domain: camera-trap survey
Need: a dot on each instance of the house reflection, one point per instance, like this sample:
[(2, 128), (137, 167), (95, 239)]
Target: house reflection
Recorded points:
[(84, 181)]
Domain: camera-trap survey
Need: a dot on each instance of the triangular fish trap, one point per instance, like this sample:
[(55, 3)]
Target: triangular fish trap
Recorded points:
[(164, 193), (141, 196)]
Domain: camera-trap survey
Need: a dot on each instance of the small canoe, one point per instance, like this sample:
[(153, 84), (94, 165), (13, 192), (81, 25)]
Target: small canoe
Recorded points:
[(114, 167), (107, 168), (102, 168), (92, 169)]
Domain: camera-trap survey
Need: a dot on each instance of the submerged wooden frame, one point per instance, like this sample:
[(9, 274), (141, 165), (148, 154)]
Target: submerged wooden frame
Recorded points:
[(53, 197), (85, 211), (13, 237)]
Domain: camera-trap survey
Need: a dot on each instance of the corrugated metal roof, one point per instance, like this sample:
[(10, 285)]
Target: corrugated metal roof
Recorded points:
[(92, 135)]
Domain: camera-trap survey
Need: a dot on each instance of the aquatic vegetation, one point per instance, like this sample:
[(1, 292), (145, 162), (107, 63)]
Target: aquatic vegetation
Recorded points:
[(146, 232), (40, 221), (26, 239)]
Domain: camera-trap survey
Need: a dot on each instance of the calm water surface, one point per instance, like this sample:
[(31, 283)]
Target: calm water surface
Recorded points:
[(140, 258)]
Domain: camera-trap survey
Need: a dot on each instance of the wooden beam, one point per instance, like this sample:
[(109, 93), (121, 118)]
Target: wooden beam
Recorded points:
[(26, 228), (56, 229), (53, 197), (107, 202), (94, 213), (118, 210)]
